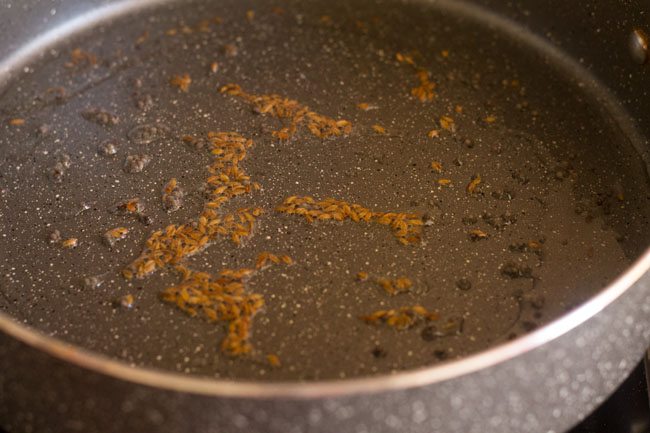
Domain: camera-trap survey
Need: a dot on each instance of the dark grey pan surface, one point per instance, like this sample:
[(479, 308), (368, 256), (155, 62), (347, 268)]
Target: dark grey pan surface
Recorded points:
[(555, 168)]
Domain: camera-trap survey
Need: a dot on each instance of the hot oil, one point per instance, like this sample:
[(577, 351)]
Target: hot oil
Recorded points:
[(437, 186)]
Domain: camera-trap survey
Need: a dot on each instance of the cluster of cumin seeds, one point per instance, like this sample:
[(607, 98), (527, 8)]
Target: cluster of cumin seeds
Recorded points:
[(178, 241), (221, 298), (407, 227), (401, 318), (291, 110)]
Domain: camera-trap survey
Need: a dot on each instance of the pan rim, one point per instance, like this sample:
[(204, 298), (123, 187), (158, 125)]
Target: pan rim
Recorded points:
[(424, 376), (171, 381)]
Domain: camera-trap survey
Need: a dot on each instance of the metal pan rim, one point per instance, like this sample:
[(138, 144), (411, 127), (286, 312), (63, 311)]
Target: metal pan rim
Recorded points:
[(100, 364)]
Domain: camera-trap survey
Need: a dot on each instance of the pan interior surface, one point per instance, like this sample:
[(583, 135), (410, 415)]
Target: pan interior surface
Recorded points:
[(530, 197)]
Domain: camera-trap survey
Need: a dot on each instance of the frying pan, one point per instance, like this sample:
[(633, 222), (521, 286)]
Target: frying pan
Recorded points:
[(537, 322)]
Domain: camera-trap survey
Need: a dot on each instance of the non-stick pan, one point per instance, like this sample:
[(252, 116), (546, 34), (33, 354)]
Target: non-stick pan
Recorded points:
[(312, 217)]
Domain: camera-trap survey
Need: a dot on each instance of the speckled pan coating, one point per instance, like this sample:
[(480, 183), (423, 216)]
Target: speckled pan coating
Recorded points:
[(527, 393)]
